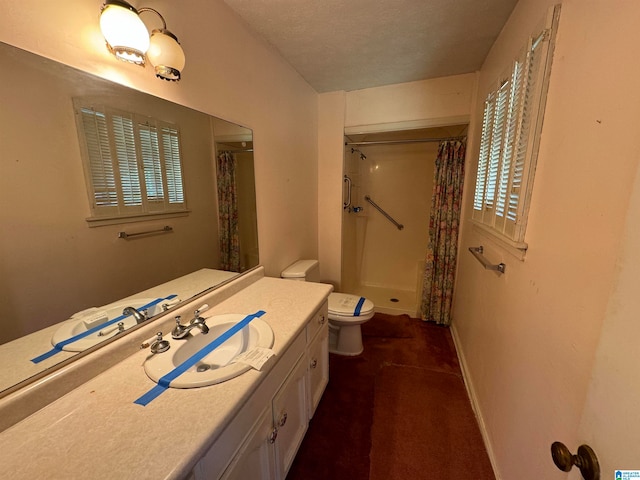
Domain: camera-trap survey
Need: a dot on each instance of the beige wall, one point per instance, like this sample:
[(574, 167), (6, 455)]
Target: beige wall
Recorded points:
[(442, 101), (529, 337), (230, 74), (330, 152), (610, 421)]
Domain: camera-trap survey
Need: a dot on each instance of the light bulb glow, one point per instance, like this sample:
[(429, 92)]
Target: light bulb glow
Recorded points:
[(166, 55), (126, 35)]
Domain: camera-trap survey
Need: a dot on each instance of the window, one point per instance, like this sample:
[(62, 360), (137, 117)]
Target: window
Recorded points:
[(133, 164), (511, 126)]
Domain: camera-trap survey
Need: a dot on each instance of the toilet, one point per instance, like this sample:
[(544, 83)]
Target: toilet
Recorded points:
[(346, 312)]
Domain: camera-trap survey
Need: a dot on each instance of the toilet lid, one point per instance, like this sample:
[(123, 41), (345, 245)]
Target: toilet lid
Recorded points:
[(348, 305)]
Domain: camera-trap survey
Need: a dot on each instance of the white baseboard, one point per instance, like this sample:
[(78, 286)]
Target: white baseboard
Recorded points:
[(474, 402)]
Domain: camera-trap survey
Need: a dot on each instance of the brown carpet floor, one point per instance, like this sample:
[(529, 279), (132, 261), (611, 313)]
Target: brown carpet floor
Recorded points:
[(397, 411)]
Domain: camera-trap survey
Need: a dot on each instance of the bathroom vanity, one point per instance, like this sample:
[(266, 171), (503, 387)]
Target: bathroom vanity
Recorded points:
[(248, 427)]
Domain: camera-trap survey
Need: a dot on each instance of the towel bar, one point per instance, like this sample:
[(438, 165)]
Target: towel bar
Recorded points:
[(165, 229), (478, 253)]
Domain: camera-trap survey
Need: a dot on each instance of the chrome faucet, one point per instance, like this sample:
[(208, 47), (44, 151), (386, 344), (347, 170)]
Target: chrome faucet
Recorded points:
[(181, 331), (139, 316)]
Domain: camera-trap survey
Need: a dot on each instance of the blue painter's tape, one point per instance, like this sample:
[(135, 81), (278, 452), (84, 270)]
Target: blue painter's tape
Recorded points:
[(165, 381), (356, 312), (58, 347)]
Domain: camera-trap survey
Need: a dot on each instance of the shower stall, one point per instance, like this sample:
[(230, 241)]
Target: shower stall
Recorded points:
[(387, 190)]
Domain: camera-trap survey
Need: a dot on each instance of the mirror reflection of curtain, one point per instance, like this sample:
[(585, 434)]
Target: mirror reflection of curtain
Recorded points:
[(228, 212)]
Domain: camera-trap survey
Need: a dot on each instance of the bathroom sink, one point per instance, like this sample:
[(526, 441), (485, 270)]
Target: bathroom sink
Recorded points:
[(218, 366), (92, 318)]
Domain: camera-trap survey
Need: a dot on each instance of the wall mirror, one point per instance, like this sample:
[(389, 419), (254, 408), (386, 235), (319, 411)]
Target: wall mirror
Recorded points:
[(55, 262)]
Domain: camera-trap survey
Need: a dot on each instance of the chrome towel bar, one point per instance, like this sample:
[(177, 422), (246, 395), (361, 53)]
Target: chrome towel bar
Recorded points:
[(165, 229), (478, 253), (399, 226)]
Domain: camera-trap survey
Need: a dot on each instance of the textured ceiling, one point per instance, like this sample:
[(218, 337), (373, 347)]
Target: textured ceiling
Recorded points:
[(355, 44)]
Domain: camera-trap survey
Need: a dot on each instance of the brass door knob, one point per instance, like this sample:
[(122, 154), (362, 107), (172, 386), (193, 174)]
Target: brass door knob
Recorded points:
[(585, 460)]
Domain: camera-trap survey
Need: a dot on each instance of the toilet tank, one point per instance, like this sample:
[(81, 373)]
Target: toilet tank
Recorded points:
[(304, 270)]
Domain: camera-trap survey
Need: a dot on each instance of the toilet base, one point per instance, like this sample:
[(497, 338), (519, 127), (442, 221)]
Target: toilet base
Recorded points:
[(345, 340)]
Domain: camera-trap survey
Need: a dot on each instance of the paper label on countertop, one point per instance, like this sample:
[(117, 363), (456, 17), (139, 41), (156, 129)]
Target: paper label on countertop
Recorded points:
[(256, 358)]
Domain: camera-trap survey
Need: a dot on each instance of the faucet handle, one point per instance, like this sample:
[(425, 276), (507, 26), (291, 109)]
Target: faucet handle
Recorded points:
[(160, 345), (200, 310)]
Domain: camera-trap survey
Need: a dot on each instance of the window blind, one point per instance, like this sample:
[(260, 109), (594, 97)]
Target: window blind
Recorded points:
[(171, 145), (512, 121), (133, 165)]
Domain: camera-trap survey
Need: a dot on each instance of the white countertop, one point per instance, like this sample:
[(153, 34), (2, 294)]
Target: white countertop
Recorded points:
[(97, 432)]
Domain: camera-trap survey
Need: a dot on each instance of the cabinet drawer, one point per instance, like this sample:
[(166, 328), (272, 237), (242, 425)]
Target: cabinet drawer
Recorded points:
[(319, 319)]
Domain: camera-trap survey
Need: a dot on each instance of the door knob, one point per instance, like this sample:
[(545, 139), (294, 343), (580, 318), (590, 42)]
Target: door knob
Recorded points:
[(585, 460)]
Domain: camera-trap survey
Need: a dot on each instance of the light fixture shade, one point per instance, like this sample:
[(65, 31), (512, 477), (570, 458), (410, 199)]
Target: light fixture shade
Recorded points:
[(166, 55), (126, 35)]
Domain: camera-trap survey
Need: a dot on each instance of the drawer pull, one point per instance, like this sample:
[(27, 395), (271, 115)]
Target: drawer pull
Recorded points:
[(314, 363), (321, 319), (283, 420), (273, 435)]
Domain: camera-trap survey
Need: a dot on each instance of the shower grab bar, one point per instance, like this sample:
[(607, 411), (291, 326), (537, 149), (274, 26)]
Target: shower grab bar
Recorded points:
[(165, 229), (347, 204), (478, 252), (389, 217)]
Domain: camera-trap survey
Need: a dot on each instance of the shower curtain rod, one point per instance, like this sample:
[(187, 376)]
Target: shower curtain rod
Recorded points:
[(417, 140)]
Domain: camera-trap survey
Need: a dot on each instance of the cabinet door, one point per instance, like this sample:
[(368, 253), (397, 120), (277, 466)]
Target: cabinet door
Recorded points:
[(318, 359), (255, 460), (290, 417)]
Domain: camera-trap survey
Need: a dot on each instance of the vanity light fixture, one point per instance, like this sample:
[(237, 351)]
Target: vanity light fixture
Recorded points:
[(128, 39)]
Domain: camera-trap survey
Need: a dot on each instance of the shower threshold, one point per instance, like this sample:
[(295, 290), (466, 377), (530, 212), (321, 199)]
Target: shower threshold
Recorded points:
[(390, 301)]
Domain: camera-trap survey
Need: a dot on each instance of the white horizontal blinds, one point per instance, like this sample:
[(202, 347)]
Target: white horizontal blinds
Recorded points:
[(150, 153), (483, 160), (534, 100), (173, 166), (133, 165), (103, 191), (523, 68), (123, 137), (510, 135), (509, 138), (501, 111), (506, 199)]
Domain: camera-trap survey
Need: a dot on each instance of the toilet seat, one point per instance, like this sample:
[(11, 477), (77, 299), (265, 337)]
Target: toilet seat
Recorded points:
[(348, 308)]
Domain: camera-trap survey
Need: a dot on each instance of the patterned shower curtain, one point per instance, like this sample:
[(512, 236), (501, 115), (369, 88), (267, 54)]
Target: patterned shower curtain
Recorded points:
[(440, 265), (228, 212)]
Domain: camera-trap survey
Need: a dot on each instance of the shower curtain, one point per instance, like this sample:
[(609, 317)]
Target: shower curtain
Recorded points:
[(440, 265), (228, 212)]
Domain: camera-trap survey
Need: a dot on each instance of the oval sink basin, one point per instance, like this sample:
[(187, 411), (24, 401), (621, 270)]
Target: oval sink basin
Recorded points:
[(94, 317), (218, 366)]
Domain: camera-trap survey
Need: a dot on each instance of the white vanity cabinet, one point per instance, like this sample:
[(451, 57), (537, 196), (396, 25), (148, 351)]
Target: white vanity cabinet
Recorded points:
[(261, 441)]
